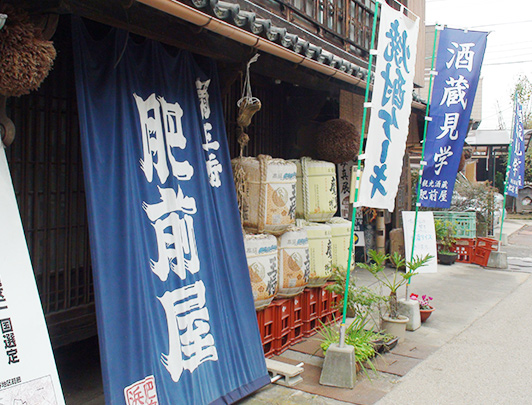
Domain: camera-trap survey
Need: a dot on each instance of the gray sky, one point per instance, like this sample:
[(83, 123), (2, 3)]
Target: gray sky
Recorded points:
[(509, 41)]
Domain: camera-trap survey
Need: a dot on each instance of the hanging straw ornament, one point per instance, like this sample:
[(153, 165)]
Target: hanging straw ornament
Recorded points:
[(239, 174), (337, 141), (248, 105), (26, 57)]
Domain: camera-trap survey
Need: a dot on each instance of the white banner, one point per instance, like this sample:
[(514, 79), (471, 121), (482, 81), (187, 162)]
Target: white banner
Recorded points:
[(390, 109), (27, 367), (425, 238)]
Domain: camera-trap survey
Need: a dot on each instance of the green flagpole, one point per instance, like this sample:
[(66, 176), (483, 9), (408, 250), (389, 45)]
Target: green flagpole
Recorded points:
[(422, 161), (508, 165), (355, 200)]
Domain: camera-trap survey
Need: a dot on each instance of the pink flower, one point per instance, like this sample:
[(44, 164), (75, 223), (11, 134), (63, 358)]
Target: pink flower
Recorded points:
[(424, 301)]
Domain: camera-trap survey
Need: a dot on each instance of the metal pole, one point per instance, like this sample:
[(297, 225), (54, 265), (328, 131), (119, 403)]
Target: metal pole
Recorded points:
[(508, 165), (355, 200)]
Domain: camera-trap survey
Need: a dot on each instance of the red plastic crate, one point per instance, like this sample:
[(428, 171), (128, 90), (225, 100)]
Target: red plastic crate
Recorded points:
[(297, 333), (269, 348), (465, 253), (266, 321), (282, 317), (325, 320), (465, 242), (283, 342), (481, 256), (336, 303), (310, 327), (487, 243), (324, 302), (310, 304), (297, 310)]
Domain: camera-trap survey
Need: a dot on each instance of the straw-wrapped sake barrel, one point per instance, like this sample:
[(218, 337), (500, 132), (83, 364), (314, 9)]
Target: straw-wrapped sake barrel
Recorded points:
[(270, 193), (316, 190), (340, 237), (294, 264), (320, 253), (261, 254)]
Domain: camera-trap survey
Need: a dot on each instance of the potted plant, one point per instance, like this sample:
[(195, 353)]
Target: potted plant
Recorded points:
[(425, 309), (392, 322), (445, 240)]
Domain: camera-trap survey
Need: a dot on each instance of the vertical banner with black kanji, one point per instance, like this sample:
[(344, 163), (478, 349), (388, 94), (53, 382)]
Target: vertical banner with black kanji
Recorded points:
[(458, 62), (390, 109), (176, 319)]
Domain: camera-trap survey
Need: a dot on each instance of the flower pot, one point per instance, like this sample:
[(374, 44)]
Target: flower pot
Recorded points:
[(390, 344), (378, 345), (425, 313), (396, 327), (447, 258)]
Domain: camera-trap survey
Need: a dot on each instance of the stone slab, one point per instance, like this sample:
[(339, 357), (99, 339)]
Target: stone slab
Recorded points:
[(414, 350), (394, 364), (309, 346), (365, 392)]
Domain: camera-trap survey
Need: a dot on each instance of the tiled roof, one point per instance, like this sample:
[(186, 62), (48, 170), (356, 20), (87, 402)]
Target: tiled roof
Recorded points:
[(264, 27), (250, 21)]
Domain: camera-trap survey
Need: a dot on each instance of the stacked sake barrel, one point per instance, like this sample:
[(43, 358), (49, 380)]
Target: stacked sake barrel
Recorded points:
[(261, 254), (268, 210), (341, 238), (316, 204), (294, 262), (269, 188), (320, 253), (316, 190)]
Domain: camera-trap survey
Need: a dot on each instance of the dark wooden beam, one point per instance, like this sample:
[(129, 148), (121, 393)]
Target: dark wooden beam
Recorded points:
[(276, 68), (154, 24), (148, 22)]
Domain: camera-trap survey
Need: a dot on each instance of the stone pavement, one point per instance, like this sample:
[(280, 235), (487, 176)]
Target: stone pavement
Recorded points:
[(479, 333), (481, 325), (519, 248), (490, 362)]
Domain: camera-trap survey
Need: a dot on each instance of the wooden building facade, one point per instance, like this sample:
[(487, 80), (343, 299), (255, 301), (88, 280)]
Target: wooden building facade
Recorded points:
[(321, 76)]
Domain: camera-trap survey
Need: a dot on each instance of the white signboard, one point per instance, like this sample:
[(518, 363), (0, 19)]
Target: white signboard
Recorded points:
[(391, 104), (28, 374), (345, 173), (425, 238)]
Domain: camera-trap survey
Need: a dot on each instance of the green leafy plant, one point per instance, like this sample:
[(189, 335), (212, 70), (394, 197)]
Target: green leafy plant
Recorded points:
[(358, 335), (397, 279), (385, 337), (445, 239), (361, 301)]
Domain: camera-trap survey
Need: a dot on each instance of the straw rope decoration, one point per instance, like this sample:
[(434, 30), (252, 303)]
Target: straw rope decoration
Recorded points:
[(305, 186), (27, 57), (247, 107), (263, 169), (240, 175)]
